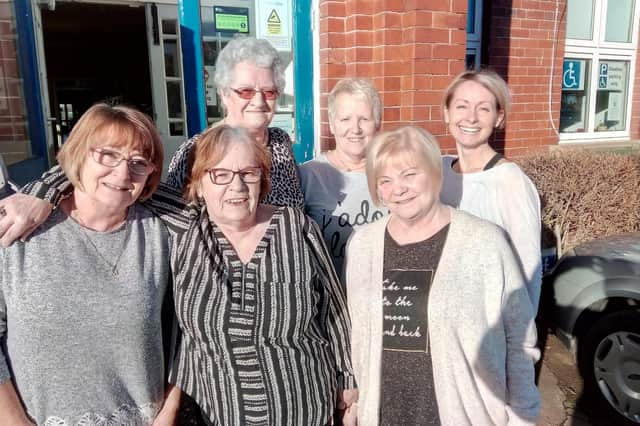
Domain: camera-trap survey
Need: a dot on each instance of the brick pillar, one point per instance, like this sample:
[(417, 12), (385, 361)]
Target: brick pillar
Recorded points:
[(525, 40), (411, 49)]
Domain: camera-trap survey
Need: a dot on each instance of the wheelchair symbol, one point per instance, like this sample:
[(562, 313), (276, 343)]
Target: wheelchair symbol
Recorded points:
[(569, 78)]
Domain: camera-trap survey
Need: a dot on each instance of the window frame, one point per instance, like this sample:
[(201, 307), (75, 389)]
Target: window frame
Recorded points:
[(597, 50), (474, 38)]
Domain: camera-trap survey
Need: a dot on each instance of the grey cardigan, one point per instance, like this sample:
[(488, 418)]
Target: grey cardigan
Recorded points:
[(481, 330)]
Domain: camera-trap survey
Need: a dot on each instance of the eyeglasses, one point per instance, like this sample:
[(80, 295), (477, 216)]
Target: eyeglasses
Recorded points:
[(137, 165), (248, 93), (225, 176)]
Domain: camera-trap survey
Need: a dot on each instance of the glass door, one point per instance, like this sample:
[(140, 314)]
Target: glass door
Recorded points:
[(163, 39)]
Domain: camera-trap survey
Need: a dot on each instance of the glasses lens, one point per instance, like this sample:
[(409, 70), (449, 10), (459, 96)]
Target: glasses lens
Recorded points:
[(250, 175), (106, 157), (246, 93), (139, 166), (270, 94), (221, 176)]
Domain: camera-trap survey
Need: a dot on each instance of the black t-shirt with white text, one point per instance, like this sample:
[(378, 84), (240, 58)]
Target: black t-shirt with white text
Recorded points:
[(407, 393)]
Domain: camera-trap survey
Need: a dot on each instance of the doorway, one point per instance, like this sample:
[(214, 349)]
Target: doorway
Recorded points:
[(94, 53)]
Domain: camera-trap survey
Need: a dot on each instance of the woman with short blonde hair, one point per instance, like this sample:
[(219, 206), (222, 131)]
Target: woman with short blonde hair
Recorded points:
[(439, 308)]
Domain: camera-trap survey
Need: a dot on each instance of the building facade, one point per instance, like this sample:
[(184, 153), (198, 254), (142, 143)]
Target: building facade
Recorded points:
[(571, 65)]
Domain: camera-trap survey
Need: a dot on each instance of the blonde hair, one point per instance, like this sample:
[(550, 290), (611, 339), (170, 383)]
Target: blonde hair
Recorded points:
[(491, 81), (412, 143), (356, 87), (210, 149), (117, 126)]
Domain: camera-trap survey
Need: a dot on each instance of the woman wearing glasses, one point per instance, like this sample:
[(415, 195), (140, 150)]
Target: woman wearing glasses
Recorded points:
[(250, 77), (264, 317), (80, 303)]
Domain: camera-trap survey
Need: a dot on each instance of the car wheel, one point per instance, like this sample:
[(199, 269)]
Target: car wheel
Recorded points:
[(609, 357)]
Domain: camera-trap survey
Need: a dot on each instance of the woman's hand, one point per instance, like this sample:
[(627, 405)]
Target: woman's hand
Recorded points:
[(13, 414), (169, 412), (350, 415), (20, 215), (346, 406)]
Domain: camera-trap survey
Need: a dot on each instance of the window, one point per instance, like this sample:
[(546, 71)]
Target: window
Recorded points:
[(474, 34), (598, 67)]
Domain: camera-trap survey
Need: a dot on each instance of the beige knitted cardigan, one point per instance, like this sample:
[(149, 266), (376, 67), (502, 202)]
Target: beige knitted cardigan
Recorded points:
[(481, 330)]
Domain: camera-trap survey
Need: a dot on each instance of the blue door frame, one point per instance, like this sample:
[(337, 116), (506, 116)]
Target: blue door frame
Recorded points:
[(189, 15), (27, 170)]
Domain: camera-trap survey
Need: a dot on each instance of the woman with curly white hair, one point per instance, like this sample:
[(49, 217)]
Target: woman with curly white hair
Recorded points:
[(249, 78)]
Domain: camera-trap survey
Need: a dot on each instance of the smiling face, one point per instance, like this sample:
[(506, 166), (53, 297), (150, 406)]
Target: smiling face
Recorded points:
[(353, 125), (234, 203), (110, 189), (472, 114), (408, 190), (255, 113)]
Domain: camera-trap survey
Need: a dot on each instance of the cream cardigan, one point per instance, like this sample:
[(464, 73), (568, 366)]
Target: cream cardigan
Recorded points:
[(481, 329)]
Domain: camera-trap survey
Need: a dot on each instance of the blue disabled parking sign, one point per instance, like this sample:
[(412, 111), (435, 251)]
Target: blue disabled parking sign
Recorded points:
[(603, 79), (572, 74)]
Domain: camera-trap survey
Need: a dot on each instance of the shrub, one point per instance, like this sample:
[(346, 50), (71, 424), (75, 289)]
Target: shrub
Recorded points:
[(585, 194)]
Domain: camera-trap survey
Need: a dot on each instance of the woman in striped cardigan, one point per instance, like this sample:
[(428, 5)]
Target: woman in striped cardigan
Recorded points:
[(264, 318)]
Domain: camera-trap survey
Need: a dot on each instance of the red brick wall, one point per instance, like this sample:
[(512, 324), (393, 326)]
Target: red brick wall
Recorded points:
[(14, 142), (411, 49), (522, 46)]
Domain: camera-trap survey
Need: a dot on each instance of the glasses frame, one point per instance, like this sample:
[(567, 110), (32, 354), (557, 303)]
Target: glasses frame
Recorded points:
[(233, 175), (275, 93), (150, 166)]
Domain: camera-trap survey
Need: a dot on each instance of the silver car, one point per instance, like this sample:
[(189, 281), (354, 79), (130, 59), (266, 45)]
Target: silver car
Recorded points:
[(592, 297)]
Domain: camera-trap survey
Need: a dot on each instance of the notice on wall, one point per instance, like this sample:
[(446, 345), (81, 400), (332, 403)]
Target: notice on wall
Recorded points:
[(231, 19), (573, 74), (209, 86), (612, 76), (614, 107), (274, 23)]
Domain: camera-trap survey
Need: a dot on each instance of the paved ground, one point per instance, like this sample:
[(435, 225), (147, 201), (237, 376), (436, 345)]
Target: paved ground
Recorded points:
[(563, 401)]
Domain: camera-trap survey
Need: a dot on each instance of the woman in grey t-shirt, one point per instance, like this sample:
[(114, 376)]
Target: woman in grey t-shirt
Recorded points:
[(81, 301), (335, 184)]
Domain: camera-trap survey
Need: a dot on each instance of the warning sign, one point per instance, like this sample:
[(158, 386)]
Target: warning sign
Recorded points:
[(274, 26), (274, 22), (273, 17)]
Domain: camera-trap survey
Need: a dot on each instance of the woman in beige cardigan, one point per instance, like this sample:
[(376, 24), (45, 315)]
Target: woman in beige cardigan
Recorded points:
[(443, 328)]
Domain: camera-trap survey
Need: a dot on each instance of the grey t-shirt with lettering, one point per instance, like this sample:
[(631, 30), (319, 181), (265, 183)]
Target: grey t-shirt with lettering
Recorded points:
[(408, 396), (338, 201)]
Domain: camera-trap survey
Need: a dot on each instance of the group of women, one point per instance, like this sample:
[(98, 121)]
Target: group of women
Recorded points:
[(428, 319)]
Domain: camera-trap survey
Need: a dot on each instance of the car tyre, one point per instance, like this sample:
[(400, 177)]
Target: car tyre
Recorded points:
[(609, 359)]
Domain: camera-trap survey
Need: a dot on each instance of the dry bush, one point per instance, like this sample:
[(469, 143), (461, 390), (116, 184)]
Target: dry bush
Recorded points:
[(585, 194)]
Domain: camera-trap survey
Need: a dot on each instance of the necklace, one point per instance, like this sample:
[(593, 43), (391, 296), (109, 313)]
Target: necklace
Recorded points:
[(343, 165), (113, 266)]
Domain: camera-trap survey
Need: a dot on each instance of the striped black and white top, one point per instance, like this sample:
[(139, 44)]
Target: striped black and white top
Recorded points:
[(266, 342)]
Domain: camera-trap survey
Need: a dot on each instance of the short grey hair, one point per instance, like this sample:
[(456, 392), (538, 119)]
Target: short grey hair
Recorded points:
[(359, 87), (255, 51)]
